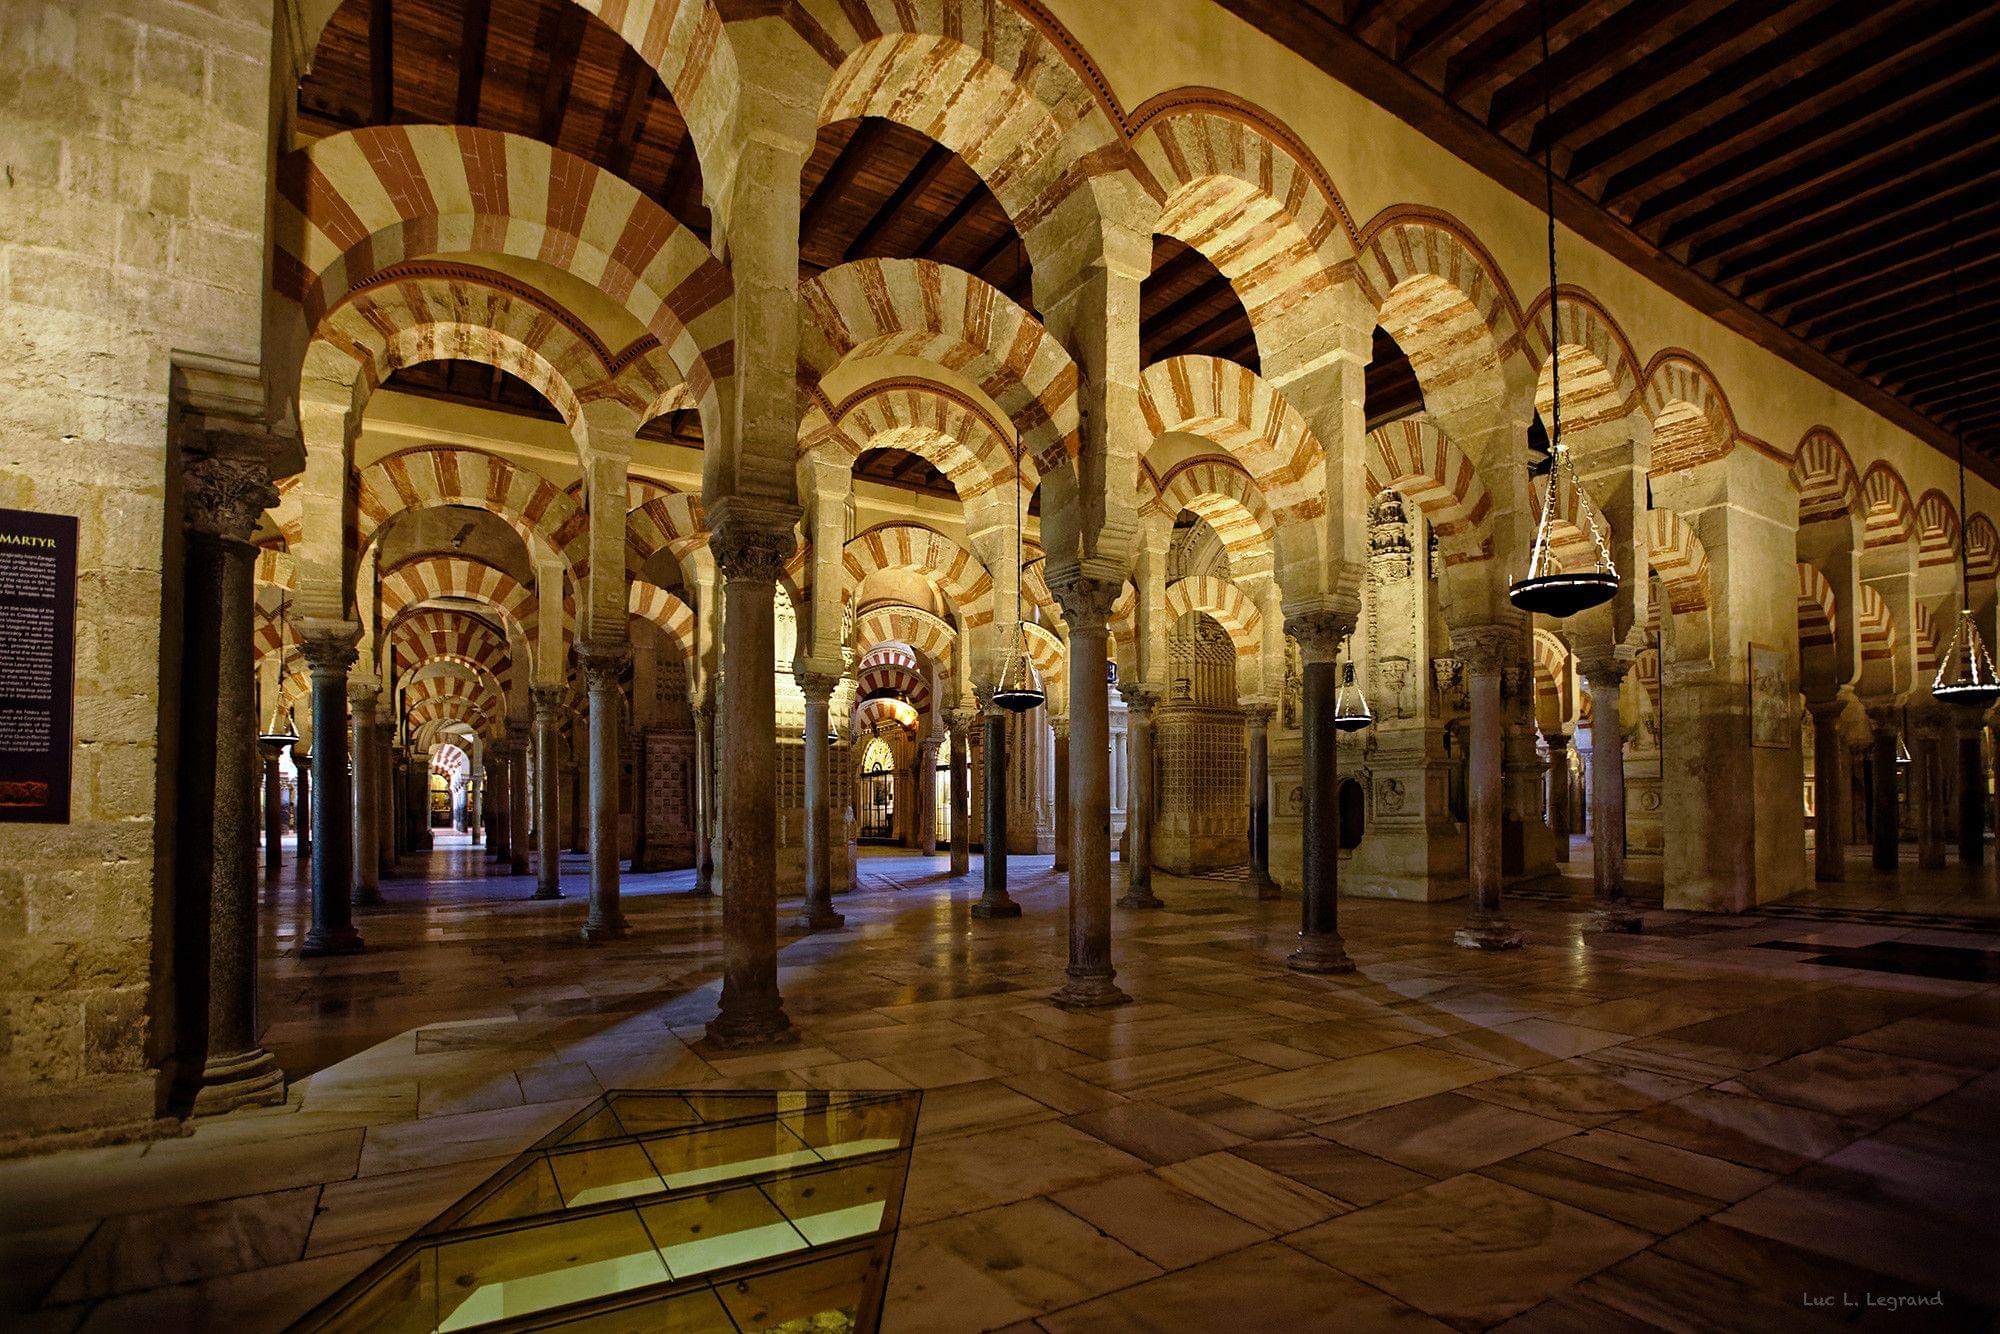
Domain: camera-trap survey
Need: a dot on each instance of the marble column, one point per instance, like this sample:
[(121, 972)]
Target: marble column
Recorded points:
[(361, 700), (547, 701), (1971, 794), (302, 802), (751, 1012), (603, 666), (927, 796), (225, 494), (1257, 728), (994, 901), (704, 797), (959, 721), (1090, 984), (518, 809), (274, 807), (501, 845), (1558, 743), (1321, 948), (1886, 835), (1142, 806), (1927, 768), (1486, 651), (383, 793), (328, 655), (817, 914), (1059, 723), (1829, 826), (1611, 908)]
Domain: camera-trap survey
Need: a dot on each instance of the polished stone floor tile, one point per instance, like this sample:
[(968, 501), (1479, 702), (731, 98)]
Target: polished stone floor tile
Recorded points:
[(1470, 1251), (1348, 1175), (1167, 1225), (1445, 1134), (1742, 1129), (1155, 1133)]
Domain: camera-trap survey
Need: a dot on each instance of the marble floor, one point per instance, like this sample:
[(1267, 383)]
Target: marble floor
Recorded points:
[(1746, 1122)]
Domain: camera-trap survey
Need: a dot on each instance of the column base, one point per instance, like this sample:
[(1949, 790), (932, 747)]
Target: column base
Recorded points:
[(241, 1079), (1089, 991), (1262, 888), (1140, 898), (756, 1028), (341, 940), (700, 891), (991, 909), (368, 898), (1489, 935), (819, 919), (605, 928), (1320, 954), (1607, 917), (546, 892)]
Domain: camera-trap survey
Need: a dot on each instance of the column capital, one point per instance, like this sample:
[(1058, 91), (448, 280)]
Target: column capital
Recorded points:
[(1059, 724), (751, 545), (547, 700), (1607, 667), (1086, 603), (1319, 633), (604, 664), (959, 722), (1140, 698), (1829, 710), (818, 687), (1885, 717), (329, 646), (1485, 649), (1557, 741), (1258, 715), (224, 494)]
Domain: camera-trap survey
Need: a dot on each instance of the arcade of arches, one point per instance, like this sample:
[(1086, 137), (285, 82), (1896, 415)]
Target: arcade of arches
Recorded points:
[(560, 484)]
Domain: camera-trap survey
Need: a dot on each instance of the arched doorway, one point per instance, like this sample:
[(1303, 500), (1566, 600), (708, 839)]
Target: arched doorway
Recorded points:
[(878, 793)]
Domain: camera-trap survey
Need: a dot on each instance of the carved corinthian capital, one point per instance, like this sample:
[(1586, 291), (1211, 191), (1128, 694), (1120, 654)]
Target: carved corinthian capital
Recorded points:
[(1319, 633), (604, 665), (225, 494), (745, 551), (818, 687), (1485, 649), (1087, 603)]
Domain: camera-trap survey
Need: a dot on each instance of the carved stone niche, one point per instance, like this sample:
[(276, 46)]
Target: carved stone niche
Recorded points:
[(1389, 537)]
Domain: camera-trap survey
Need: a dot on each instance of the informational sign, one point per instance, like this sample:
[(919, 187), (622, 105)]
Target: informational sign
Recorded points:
[(37, 664)]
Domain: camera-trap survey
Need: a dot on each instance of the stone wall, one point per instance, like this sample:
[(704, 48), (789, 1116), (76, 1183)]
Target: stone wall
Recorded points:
[(132, 213)]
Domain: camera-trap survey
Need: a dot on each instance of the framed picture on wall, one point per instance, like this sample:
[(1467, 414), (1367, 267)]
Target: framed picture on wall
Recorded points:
[(1771, 702)]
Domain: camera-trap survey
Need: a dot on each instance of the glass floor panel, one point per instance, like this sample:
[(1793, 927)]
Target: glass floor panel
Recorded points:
[(649, 1210)]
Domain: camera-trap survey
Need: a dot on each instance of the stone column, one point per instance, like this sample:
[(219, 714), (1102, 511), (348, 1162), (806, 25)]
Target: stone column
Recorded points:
[(1558, 743), (1143, 805), (817, 913), (1257, 728), (274, 807), (959, 721), (225, 494), (1086, 605), (602, 668), (704, 797), (361, 700), (383, 793), (1971, 794), (1611, 910), (329, 652), (1886, 836), (1487, 651), (1321, 948), (501, 784), (548, 844), (518, 810), (1927, 768), (1829, 826), (751, 1011), (994, 901), (1059, 723), (927, 796), (302, 802)]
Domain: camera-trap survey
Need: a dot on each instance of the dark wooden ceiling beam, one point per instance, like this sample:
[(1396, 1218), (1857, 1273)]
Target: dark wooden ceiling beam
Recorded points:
[(1501, 49), (679, 182), (1624, 37), (1831, 149), (950, 222), (1892, 287), (564, 46), (1438, 28), (1936, 372), (1002, 243), (1799, 118), (473, 22), (839, 179), (381, 63), (1761, 54), (633, 96), (1893, 327), (1834, 270), (1973, 389), (1189, 303), (937, 159), (1946, 348), (1917, 189), (1756, 258)]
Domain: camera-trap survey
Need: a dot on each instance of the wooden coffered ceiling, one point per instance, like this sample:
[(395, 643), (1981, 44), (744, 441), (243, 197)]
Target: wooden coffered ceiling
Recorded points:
[(871, 188), (1798, 168)]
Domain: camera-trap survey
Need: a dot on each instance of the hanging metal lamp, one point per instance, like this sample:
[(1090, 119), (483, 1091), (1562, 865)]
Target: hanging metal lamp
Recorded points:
[(1965, 673), (1350, 707), (279, 729), (1020, 689), (1547, 589)]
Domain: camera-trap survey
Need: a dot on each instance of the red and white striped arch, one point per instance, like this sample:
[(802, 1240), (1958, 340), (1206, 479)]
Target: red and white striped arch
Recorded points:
[(435, 475), (898, 623), (955, 571), (1817, 612), (1222, 600), (1222, 494), (1877, 626), (435, 634), (429, 578), (1823, 471), (1937, 530), (1982, 548), (1679, 559), (1416, 460), (1891, 514), (674, 617), (1692, 420)]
